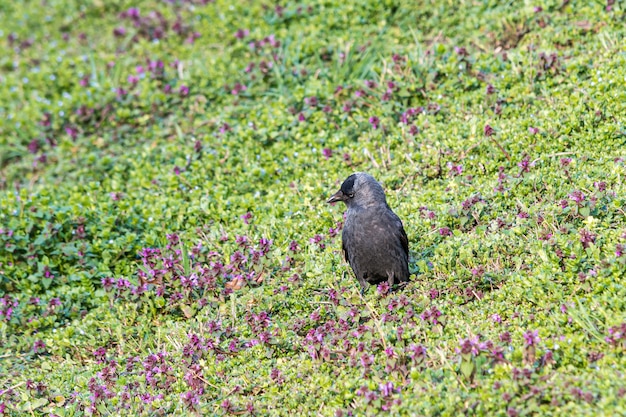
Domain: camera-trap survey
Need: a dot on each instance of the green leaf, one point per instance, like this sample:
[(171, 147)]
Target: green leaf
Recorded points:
[(467, 369), (186, 263), (46, 282), (34, 404)]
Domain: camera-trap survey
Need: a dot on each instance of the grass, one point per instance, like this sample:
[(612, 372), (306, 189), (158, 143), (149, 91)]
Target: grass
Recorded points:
[(165, 245)]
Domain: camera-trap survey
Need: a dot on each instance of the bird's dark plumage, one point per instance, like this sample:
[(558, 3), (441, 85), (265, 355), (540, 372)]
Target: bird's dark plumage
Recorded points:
[(374, 241)]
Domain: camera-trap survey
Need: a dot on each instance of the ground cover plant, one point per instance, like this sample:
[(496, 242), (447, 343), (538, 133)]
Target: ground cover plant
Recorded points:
[(165, 248)]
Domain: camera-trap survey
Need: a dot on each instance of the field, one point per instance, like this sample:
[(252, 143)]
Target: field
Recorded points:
[(166, 248)]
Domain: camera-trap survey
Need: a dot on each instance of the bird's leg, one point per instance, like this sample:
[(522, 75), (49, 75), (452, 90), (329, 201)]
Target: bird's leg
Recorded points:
[(363, 286)]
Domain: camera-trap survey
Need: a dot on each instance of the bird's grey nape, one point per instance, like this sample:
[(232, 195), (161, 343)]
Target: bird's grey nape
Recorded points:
[(368, 191)]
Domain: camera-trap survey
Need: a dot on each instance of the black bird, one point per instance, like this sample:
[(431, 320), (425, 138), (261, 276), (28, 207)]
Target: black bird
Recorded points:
[(373, 240)]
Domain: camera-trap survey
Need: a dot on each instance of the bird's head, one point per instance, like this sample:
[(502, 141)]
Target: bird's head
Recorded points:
[(359, 189)]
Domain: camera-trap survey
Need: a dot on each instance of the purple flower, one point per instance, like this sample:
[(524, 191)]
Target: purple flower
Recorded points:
[(386, 389), (7, 305), (366, 360), (39, 346), (316, 239), (264, 245), (533, 130), (238, 88), (119, 31), (47, 120), (133, 13), (33, 146), (390, 353), (431, 315), (107, 283), (242, 33), (183, 90), (445, 231), (100, 353), (190, 399), (293, 246), (246, 217), (470, 345), (600, 185), (461, 51), (73, 133), (525, 165), (488, 130), (586, 238), (315, 316), (531, 337), (416, 351), (577, 196), (454, 170), (374, 121), (617, 335), (156, 66), (277, 376), (490, 89)]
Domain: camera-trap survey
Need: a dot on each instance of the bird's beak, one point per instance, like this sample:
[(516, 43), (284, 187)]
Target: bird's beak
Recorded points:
[(338, 196)]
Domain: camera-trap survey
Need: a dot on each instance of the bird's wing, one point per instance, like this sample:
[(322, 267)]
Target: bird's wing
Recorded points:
[(345, 250), (404, 238), (352, 233), (400, 250), (397, 230)]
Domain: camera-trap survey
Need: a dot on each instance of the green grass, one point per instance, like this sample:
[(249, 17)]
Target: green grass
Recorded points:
[(155, 146)]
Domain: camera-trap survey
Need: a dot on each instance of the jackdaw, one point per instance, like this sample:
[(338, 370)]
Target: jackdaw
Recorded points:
[(373, 240)]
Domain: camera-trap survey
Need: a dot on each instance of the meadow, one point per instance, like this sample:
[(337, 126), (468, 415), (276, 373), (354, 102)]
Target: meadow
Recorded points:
[(166, 248)]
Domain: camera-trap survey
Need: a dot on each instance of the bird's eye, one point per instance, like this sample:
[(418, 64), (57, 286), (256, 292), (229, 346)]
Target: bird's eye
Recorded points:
[(350, 195)]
